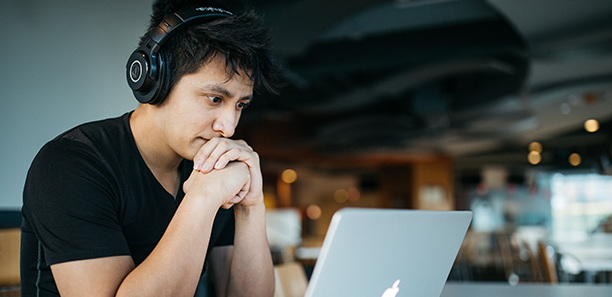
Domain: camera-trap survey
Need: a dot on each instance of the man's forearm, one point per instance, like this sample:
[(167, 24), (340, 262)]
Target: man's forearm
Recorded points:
[(175, 265), (252, 272)]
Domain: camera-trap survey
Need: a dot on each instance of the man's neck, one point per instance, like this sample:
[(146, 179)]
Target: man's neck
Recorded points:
[(157, 154)]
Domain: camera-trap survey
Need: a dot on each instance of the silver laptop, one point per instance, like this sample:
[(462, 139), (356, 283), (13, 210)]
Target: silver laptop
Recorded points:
[(388, 252)]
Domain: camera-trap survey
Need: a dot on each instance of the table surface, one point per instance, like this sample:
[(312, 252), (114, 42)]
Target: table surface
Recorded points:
[(524, 290)]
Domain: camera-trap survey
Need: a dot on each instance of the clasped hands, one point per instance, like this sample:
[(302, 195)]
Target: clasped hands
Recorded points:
[(228, 170)]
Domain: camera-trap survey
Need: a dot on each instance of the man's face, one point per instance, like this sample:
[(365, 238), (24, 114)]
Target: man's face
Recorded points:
[(202, 105)]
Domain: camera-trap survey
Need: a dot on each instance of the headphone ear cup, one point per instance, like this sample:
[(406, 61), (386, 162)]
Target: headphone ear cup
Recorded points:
[(137, 70), (141, 72)]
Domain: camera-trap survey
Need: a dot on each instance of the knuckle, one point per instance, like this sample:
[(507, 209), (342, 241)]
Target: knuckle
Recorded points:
[(223, 145), (245, 144)]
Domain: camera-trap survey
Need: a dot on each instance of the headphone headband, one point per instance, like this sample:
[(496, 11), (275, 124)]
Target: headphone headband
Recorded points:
[(185, 17), (145, 69)]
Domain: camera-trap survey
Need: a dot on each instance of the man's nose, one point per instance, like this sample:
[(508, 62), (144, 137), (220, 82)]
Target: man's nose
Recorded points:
[(225, 123)]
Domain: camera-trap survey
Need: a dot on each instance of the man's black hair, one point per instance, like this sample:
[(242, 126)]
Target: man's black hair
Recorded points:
[(241, 41)]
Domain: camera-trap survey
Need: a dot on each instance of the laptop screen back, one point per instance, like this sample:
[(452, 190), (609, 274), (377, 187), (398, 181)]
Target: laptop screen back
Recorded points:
[(366, 251)]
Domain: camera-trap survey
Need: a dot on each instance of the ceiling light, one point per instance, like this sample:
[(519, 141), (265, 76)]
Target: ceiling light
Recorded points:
[(575, 159), (591, 125), (534, 158), (535, 147)]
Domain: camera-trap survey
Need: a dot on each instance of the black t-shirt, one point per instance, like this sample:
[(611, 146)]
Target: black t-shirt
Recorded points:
[(89, 194)]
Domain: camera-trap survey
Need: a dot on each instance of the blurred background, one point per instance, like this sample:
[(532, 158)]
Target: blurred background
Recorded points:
[(501, 107)]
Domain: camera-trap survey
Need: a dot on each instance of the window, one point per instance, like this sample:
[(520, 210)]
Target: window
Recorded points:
[(580, 203)]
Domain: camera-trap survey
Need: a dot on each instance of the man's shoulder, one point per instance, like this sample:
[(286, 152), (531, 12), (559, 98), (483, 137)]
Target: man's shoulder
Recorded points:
[(93, 140), (97, 131)]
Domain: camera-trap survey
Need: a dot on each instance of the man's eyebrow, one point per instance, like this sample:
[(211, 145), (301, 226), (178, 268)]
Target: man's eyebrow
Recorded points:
[(223, 91)]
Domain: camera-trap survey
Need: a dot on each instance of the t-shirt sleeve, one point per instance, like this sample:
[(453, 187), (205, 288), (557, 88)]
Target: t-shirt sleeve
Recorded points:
[(69, 201)]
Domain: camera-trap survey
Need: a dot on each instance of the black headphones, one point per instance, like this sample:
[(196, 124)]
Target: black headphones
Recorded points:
[(146, 70)]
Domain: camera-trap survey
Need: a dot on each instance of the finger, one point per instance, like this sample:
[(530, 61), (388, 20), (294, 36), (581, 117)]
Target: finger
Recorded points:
[(233, 201), (236, 199), (213, 157), (256, 180), (204, 153), (240, 196), (245, 188), (219, 148), (235, 154)]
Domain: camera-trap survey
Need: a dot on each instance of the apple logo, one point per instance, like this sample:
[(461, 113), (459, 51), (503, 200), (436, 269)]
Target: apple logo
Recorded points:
[(391, 292)]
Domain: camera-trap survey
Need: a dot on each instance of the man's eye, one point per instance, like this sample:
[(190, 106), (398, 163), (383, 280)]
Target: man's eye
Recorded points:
[(243, 105), (214, 99)]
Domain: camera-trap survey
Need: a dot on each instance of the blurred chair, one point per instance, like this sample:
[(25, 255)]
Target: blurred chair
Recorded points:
[(291, 280), (520, 263), (570, 268), (549, 269), (10, 242), (533, 262), (506, 253)]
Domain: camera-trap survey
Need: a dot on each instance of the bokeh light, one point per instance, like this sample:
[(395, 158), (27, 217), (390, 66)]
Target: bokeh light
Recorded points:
[(289, 176), (314, 212), (535, 147), (534, 158), (591, 125), (341, 195), (575, 159), (353, 194)]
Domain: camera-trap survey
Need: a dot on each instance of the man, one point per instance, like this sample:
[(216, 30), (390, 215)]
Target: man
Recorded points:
[(140, 205)]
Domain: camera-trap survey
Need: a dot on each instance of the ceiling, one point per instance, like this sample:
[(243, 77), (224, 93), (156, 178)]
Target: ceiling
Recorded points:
[(471, 80)]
